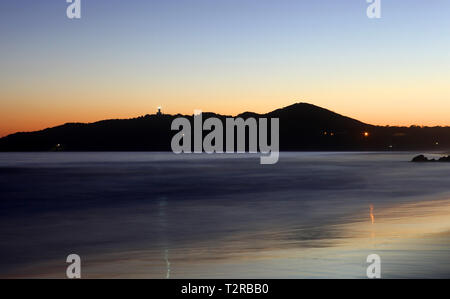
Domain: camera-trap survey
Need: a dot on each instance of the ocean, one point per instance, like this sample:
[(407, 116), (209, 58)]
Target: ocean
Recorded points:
[(161, 215)]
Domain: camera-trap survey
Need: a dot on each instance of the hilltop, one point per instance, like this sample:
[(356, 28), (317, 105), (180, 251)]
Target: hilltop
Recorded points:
[(302, 127)]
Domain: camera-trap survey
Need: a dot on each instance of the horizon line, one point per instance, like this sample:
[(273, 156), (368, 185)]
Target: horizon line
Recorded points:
[(226, 115)]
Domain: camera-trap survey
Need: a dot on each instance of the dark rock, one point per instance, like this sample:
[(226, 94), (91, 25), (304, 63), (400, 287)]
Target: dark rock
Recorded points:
[(420, 158), (445, 159)]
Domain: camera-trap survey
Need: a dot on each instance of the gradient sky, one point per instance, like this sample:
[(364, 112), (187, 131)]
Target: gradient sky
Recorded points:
[(125, 58)]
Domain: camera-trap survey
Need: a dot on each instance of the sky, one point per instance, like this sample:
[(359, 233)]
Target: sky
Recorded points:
[(123, 59)]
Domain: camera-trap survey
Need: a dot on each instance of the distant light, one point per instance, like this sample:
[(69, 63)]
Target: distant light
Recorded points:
[(437, 143), (366, 134)]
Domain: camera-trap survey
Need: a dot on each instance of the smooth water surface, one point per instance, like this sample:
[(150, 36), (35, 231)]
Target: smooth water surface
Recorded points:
[(159, 215)]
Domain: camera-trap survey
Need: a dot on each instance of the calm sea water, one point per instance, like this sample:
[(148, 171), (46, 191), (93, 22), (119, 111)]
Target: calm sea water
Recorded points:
[(159, 215)]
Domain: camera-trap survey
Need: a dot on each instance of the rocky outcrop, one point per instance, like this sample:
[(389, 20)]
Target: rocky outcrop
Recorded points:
[(422, 158)]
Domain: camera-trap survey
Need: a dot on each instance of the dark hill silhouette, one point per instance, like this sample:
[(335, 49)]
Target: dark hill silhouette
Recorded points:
[(302, 127)]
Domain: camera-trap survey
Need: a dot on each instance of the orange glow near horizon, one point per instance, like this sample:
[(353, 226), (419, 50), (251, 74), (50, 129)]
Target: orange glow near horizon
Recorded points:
[(39, 105), (28, 116)]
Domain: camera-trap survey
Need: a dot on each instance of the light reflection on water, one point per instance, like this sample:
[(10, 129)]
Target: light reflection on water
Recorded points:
[(313, 215)]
